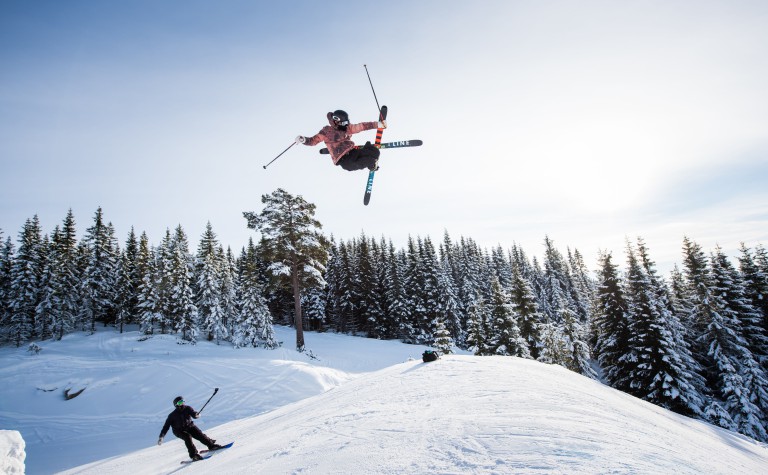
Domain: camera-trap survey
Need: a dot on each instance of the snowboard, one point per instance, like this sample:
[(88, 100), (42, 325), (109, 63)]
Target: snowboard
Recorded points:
[(206, 454), (205, 451)]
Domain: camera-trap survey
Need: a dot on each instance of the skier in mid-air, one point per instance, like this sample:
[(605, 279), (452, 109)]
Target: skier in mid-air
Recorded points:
[(180, 421), (337, 137)]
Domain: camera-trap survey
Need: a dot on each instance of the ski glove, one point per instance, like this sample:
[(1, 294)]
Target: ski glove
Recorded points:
[(300, 139), (160, 441), (382, 124)]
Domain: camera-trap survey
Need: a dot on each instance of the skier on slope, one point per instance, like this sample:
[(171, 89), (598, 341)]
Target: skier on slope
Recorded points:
[(180, 421), (337, 137)]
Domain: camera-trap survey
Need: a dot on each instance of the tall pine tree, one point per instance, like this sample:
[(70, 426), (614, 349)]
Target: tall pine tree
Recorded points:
[(294, 246), (25, 286)]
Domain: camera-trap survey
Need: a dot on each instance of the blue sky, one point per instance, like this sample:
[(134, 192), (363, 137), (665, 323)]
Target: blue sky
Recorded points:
[(587, 121)]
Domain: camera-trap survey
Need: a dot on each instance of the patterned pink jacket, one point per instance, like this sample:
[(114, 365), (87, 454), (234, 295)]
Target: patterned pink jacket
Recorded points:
[(339, 142)]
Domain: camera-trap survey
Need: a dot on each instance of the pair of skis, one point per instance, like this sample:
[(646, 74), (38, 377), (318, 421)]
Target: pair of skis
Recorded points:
[(400, 144), (379, 145)]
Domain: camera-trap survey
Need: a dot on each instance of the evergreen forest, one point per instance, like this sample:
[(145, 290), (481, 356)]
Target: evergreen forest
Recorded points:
[(694, 342)]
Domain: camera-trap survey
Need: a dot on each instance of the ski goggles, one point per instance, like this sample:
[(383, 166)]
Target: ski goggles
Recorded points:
[(180, 403), (340, 121)]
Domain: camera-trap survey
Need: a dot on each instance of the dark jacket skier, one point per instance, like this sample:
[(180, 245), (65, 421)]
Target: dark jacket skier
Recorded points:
[(180, 421), (337, 137)]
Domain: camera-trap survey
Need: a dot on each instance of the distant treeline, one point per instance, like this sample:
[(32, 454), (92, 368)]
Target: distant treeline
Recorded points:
[(693, 342)]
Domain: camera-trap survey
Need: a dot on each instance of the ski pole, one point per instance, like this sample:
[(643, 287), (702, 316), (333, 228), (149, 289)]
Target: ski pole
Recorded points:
[(281, 153), (378, 107), (215, 390)]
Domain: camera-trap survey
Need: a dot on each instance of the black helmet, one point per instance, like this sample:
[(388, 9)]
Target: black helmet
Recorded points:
[(340, 118), (178, 401)]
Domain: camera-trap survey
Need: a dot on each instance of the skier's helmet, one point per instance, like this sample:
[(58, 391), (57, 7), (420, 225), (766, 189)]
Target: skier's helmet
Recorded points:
[(178, 401), (340, 118)]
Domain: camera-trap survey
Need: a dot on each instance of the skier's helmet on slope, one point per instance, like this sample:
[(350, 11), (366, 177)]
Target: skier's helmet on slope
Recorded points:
[(178, 401), (340, 119)]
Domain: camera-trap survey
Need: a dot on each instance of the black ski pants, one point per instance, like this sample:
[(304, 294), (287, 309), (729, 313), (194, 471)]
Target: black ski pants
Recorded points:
[(193, 432), (359, 158)]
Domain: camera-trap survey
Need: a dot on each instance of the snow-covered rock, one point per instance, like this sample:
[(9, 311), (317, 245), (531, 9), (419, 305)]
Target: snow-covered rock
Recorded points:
[(12, 453)]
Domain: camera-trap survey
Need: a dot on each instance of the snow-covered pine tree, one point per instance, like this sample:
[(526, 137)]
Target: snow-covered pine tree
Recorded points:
[(431, 289), (99, 282), (346, 301), (677, 293), (701, 324), (332, 279), (6, 279), (25, 286), (734, 287), (500, 267), (505, 338), (368, 307), (477, 334), (44, 311), (469, 283), (584, 287), (294, 246), (556, 284), (413, 283), (661, 368), (386, 326), (66, 277), (553, 349), (253, 322), (132, 278), (182, 311), (575, 340), (209, 273), (397, 296), (448, 307), (697, 284), (163, 276), (229, 271), (755, 288), (148, 300), (610, 323), (313, 308), (735, 328), (449, 258), (449, 284), (524, 304), (443, 340), (122, 291)]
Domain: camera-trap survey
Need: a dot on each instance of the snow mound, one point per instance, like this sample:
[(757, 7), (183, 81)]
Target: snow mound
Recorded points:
[(11, 452), (463, 414)]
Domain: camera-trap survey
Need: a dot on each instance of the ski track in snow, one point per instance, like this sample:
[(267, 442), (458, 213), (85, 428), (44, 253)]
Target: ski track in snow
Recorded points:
[(360, 409)]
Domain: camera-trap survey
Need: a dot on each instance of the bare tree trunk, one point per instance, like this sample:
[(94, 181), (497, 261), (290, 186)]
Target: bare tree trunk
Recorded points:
[(297, 307)]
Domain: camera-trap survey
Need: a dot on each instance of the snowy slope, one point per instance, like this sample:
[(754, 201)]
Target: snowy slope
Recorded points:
[(464, 414), (368, 414), (130, 385)]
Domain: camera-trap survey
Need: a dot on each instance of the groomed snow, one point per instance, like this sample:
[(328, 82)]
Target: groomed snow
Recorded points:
[(355, 410)]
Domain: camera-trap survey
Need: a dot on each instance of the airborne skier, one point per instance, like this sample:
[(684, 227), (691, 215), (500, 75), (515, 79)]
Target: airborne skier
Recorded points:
[(337, 137)]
